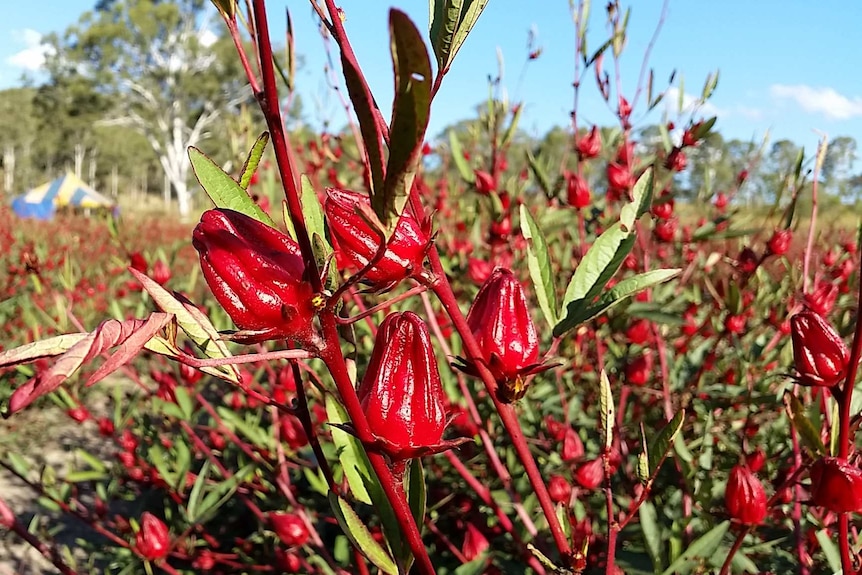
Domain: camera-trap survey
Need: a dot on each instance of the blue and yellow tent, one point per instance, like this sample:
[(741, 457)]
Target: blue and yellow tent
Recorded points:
[(66, 190)]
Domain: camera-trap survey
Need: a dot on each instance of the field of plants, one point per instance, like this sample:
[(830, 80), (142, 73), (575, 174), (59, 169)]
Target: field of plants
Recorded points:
[(375, 352)]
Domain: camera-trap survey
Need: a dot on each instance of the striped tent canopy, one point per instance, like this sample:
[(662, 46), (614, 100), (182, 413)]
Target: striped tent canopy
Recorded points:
[(65, 191)]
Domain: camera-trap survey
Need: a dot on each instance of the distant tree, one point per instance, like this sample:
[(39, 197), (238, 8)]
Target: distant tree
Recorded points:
[(838, 166), (17, 134), (154, 62)]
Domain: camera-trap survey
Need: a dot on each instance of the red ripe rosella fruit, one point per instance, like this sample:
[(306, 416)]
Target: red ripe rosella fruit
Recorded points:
[(356, 243), (836, 484), (590, 474), (401, 392), (500, 321), (577, 191), (559, 489), (590, 145), (779, 243), (290, 528), (745, 497), (819, 354), (255, 273), (822, 299), (485, 183), (152, 541), (475, 543), (161, 272)]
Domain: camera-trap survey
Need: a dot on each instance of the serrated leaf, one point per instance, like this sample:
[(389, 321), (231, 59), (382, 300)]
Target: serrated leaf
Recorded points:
[(129, 335), (541, 267), (253, 160), (223, 190), (464, 168), (699, 551), (359, 534), (607, 410), (194, 323), (410, 112), (809, 435), (617, 294), (663, 441)]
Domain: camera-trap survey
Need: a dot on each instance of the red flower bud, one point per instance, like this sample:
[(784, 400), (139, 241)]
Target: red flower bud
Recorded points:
[(475, 543), (591, 474), (720, 201), (290, 528), (485, 183), (822, 299), (638, 332), (619, 177), (747, 261), (138, 262), (820, 355), (161, 272), (755, 460), (745, 497), (401, 392), (255, 273), (676, 160), (734, 323), (590, 146), (500, 321), (577, 191), (559, 489), (152, 541), (573, 447), (665, 230), (356, 242), (836, 484), (779, 243)]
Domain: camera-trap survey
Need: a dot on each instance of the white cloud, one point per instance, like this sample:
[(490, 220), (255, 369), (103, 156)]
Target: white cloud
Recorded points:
[(32, 57), (826, 101)]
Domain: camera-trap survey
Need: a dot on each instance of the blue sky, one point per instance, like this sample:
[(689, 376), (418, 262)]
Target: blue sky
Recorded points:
[(785, 66)]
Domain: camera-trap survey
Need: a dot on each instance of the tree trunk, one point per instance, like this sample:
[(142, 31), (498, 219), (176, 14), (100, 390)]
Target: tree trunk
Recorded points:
[(80, 153), (8, 169)]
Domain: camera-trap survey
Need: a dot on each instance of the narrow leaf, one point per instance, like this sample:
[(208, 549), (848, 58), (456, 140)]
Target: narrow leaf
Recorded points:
[(541, 175), (253, 160), (222, 189), (810, 436), (40, 349), (663, 441), (641, 200), (359, 534), (652, 534), (539, 262), (444, 17), (410, 112), (699, 551), (464, 168), (470, 11), (352, 456), (606, 403)]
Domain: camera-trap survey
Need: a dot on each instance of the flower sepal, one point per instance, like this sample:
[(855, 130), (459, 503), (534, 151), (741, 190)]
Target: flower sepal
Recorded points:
[(509, 389), (397, 453)]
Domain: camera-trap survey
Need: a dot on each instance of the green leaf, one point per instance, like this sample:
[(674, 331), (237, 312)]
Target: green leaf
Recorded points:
[(617, 294), (184, 401), (417, 499), (410, 112), (464, 168), (698, 551), (663, 441), (709, 86), (367, 115), (359, 534), (223, 190), (352, 456), (254, 156), (810, 436), (541, 175), (833, 556), (451, 22), (606, 403), (197, 492), (513, 127), (312, 211), (641, 201), (539, 262), (652, 534)]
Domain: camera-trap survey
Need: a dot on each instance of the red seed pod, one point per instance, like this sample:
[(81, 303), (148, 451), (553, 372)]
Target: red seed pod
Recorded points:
[(401, 391), (819, 354), (591, 474), (836, 484), (475, 543), (152, 541), (638, 370), (590, 145), (720, 201), (822, 299), (577, 191), (485, 183), (138, 262), (500, 321), (779, 243), (676, 160), (290, 528), (161, 272), (255, 272), (755, 460), (559, 489), (734, 323), (573, 447), (638, 332), (747, 261), (620, 177), (665, 230), (356, 243), (745, 497)]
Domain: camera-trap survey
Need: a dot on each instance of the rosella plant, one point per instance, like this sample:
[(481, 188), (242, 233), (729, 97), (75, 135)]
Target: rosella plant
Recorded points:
[(519, 366)]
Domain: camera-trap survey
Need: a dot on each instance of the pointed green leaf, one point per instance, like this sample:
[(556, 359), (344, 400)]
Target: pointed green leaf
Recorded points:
[(410, 112), (223, 190), (541, 268), (367, 114), (699, 551), (541, 175), (652, 534), (641, 200), (359, 534), (444, 17), (663, 441), (253, 160), (606, 404), (464, 168), (809, 435), (513, 127), (352, 456)]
